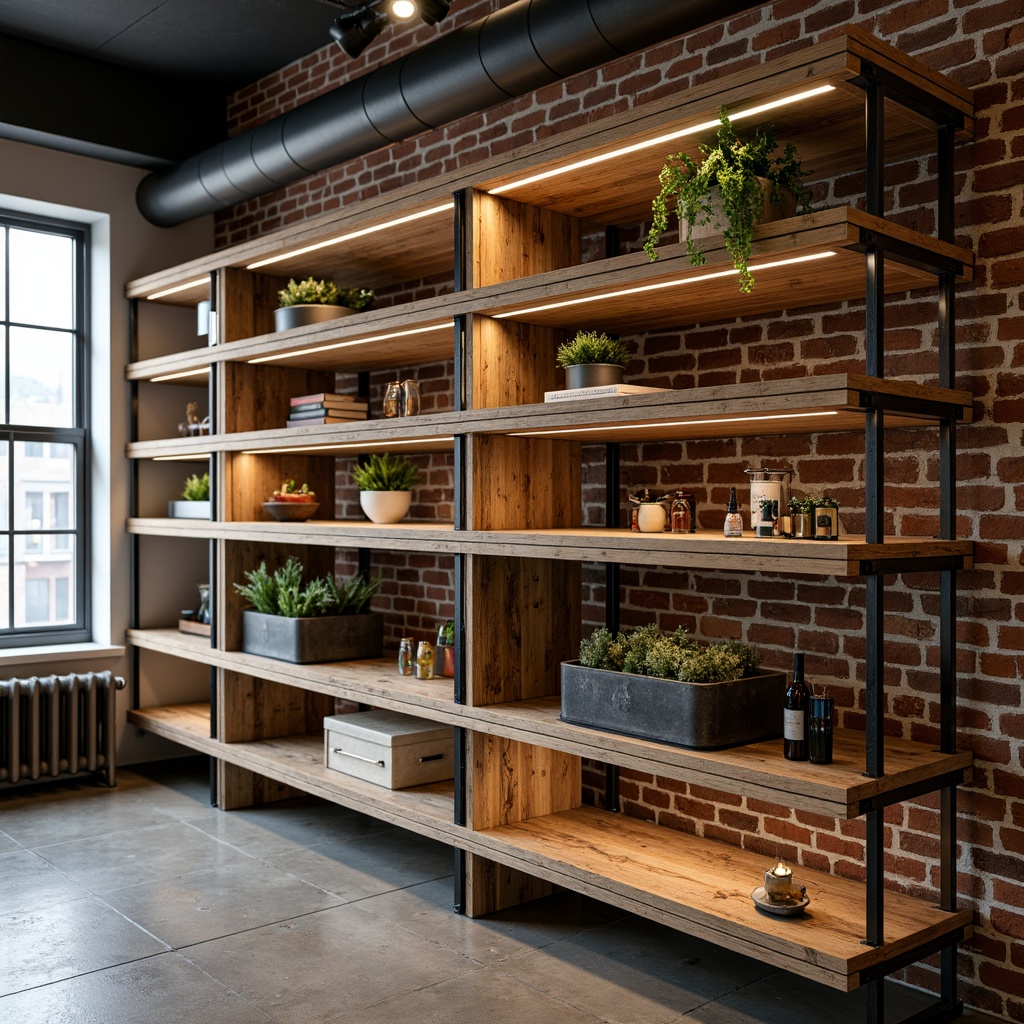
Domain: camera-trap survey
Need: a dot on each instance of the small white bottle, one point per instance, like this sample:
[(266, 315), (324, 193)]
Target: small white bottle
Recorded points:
[(733, 519)]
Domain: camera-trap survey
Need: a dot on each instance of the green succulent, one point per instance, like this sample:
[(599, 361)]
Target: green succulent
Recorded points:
[(385, 473), (312, 292), (285, 593), (446, 633), (733, 166), (197, 488), (591, 347)]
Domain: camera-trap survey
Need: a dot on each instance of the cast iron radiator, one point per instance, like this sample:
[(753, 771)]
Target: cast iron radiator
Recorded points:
[(54, 726)]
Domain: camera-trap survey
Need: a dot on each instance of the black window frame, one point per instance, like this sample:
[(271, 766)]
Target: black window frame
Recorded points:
[(76, 436)]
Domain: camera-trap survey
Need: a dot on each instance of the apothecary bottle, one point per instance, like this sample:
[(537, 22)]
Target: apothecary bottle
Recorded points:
[(794, 715), (410, 398), (682, 513), (733, 519), (425, 660), (393, 399), (406, 656)]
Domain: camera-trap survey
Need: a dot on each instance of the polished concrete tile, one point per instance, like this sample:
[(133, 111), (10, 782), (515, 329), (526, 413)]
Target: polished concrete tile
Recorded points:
[(123, 858), (204, 905), (31, 883), (164, 989), (38, 947), (8, 845), (311, 968)]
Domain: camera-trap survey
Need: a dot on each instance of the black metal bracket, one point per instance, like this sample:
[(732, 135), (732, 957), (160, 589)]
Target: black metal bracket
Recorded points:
[(907, 253), (911, 956), (895, 566), (936, 410), (910, 96), (909, 791)]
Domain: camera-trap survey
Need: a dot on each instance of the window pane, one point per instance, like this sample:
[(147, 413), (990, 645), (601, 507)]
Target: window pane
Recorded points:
[(42, 279), (44, 484), (3, 369), (5, 484), (5, 564), (42, 378), (38, 578), (3, 263)]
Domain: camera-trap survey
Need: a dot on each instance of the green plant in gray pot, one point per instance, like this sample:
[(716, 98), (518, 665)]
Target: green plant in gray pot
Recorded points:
[(592, 359), (299, 621), (314, 301), (195, 499)]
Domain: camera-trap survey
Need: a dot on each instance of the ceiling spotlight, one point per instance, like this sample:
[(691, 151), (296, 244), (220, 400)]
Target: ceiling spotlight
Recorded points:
[(354, 32), (402, 10), (433, 11)]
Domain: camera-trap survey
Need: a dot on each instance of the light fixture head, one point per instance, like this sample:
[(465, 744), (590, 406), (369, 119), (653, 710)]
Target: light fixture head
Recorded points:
[(402, 10), (433, 11), (354, 32)]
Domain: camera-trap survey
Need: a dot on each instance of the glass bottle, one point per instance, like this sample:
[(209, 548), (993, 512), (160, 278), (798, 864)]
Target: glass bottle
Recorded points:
[(424, 660), (410, 398), (733, 519), (682, 520), (406, 658), (393, 399), (820, 729), (794, 730)]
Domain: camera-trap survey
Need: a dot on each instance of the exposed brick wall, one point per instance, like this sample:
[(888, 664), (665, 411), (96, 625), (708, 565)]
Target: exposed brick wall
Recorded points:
[(978, 44)]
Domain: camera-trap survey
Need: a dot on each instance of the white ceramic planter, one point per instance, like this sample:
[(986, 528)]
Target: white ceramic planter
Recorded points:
[(189, 509), (385, 506)]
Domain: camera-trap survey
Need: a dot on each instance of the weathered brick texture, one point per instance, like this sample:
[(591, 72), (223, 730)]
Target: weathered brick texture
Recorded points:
[(980, 45)]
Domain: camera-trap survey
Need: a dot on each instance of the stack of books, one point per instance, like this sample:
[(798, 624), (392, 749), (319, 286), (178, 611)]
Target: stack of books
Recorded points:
[(312, 410)]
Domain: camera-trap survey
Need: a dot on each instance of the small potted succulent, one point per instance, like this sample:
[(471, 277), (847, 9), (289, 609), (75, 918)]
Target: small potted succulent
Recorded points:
[(669, 688), (298, 621), (291, 503), (385, 485), (444, 661), (195, 499), (592, 359), (802, 511), (312, 302), (741, 182), (826, 518)]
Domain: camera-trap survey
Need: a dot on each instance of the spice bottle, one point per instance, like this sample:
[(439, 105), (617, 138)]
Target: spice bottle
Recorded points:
[(733, 519)]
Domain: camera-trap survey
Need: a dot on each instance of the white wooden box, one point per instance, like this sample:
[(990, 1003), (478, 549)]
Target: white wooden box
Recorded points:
[(389, 748)]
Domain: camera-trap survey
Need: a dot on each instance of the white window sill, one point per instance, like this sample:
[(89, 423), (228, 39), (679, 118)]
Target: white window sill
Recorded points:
[(44, 657)]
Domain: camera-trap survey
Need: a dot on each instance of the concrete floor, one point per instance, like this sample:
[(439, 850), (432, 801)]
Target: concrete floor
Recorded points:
[(143, 905)]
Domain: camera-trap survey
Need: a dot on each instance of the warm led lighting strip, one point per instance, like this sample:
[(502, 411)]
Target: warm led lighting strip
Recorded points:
[(179, 375), (661, 139), (181, 458), (178, 288), (663, 284), (352, 234), (445, 325), (679, 423), (349, 446)]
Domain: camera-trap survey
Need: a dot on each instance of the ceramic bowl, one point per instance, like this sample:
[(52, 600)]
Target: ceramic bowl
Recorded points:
[(385, 506), (291, 511)]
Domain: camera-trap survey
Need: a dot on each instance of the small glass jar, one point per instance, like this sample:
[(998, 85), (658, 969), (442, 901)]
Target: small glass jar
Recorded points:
[(682, 513), (410, 398), (393, 399), (425, 660), (406, 658)]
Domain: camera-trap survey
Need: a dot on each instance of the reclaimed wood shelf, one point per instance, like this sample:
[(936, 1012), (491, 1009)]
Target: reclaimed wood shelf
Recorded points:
[(703, 888), (848, 556), (839, 789)]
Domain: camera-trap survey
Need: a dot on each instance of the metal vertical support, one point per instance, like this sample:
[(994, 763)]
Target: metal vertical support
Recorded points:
[(611, 596), (133, 500), (944, 214)]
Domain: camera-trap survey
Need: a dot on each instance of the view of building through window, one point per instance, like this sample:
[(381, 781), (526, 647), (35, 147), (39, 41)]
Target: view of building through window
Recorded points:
[(42, 440)]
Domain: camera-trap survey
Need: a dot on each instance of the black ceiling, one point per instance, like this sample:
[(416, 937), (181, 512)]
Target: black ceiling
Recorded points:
[(142, 81)]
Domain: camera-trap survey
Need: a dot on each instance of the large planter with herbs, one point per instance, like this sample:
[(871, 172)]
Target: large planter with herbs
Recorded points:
[(702, 713), (302, 623)]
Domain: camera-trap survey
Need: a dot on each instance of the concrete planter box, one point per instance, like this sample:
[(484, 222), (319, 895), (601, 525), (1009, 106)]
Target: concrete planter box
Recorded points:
[(189, 509), (324, 638), (702, 716)]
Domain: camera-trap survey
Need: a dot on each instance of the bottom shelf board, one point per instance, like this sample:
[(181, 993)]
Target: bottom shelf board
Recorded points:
[(703, 887), (297, 761)]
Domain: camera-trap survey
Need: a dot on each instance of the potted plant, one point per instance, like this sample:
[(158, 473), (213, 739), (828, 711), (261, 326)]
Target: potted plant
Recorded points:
[(385, 485), (592, 359), (444, 661), (195, 499), (826, 518), (671, 689), (312, 302), (802, 511), (296, 621), (741, 182), (291, 504)]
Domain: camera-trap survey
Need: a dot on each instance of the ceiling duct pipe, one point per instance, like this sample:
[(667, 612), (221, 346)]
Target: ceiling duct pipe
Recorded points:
[(510, 52)]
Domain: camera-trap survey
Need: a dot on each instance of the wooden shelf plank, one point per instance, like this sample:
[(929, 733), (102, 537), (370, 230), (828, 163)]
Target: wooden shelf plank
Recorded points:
[(848, 556), (759, 769), (704, 888), (795, 405), (298, 761)]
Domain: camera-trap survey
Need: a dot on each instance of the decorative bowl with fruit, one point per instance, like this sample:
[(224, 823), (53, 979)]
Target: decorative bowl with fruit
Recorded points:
[(292, 504)]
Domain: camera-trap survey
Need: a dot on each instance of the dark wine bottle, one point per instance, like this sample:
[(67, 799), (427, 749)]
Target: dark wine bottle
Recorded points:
[(794, 730)]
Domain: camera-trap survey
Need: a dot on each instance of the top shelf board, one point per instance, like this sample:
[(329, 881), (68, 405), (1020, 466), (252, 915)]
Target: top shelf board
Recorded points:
[(604, 172)]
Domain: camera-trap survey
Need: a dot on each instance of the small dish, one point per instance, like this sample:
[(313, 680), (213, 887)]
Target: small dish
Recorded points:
[(782, 908), (291, 511)]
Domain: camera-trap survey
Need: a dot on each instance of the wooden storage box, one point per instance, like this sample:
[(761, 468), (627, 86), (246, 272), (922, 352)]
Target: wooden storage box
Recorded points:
[(389, 748)]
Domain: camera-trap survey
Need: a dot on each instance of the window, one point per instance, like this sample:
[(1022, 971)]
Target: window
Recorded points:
[(43, 437)]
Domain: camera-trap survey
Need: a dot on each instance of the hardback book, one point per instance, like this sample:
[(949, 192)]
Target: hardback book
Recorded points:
[(321, 410), (314, 421), (340, 406), (601, 391), (325, 398)]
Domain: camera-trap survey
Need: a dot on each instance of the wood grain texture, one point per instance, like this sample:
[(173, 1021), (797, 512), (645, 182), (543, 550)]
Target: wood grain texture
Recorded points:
[(250, 480), (250, 708), (511, 363), (239, 787), (257, 397), (491, 886), (704, 887)]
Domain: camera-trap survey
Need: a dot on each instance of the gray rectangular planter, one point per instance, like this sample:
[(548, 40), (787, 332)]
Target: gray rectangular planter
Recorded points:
[(189, 509), (324, 638), (702, 716)]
